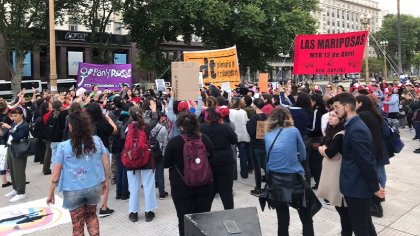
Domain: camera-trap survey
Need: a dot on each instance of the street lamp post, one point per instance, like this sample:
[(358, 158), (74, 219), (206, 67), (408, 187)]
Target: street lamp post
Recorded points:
[(53, 63), (384, 44), (365, 21)]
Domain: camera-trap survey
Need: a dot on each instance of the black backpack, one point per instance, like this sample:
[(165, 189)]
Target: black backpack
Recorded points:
[(155, 147), (54, 129)]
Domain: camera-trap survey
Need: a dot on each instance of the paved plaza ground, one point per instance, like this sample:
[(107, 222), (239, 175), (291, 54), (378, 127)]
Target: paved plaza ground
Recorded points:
[(401, 209)]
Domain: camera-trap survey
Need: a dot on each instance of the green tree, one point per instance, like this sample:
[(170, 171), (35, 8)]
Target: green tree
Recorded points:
[(261, 29), (416, 63), (376, 66), (97, 16), (410, 30), (23, 24)]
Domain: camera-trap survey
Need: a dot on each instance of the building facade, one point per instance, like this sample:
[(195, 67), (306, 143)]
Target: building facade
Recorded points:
[(341, 16), (73, 45)]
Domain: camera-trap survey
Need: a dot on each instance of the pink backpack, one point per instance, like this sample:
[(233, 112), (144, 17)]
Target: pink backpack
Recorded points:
[(197, 170)]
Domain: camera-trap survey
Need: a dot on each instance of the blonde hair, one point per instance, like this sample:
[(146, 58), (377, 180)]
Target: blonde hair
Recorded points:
[(279, 118)]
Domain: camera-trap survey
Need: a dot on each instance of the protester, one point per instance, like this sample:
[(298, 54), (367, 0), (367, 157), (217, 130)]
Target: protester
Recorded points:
[(268, 103), (358, 176), (329, 185), (250, 111), (315, 135), (187, 200), (144, 174), (55, 128), (239, 117), (257, 144), (4, 118), (391, 107), (222, 137), (161, 133), (15, 133), (103, 127), (81, 172), (374, 121), (285, 182)]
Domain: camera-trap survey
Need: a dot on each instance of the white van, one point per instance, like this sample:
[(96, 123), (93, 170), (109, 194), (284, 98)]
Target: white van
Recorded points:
[(6, 88), (63, 85)]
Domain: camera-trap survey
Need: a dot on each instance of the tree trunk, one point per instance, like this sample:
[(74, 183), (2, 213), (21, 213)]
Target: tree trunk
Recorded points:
[(18, 73)]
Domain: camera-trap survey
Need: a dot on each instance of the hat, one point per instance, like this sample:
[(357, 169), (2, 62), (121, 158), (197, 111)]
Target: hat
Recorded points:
[(183, 106), (223, 111), (386, 90), (329, 86), (373, 80), (408, 84), (80, 92), (317, 88)]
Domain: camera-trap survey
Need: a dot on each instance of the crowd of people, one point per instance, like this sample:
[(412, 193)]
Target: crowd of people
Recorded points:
[(285, 136)]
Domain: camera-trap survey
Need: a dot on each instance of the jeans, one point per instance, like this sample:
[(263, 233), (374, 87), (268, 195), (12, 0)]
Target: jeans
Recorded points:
[(283, 218), (77, 198), (382, 175), (160, 177), (260, 161), (121, 181), (358, 210), (245, 158), (147, 178)]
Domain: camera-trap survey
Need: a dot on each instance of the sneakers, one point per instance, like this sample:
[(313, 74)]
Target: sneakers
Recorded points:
[(134, 217), (257, 192), (11, 194), (106, 212), (417, 150), (17, 198), (163, 196), (149, 216)]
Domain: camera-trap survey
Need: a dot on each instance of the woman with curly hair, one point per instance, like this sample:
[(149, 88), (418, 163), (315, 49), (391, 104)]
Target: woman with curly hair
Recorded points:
[(81, 171), (187, 200)]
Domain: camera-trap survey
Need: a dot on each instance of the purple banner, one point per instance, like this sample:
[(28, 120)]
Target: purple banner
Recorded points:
[(111, 77)]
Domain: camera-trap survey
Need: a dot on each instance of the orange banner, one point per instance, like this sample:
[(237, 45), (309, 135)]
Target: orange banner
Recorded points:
[(217, 66)]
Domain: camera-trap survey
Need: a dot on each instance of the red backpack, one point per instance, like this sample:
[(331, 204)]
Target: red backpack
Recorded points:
[(136, 152), (197, 170)]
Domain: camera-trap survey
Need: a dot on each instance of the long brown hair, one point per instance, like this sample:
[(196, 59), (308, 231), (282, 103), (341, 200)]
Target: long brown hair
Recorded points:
[(136, 116), (81, 134)]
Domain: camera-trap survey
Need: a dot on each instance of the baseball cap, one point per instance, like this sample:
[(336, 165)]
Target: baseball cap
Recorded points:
[(183, 106)]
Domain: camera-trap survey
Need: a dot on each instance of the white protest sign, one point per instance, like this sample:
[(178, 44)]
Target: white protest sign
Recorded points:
[(226, 87), (160, 84), (200, 79)]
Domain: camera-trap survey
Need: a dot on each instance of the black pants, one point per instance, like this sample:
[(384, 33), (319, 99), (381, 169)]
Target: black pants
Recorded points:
[(223, 184), (410, 119), (358, 211), (283, 218), (189, 200), (17, 168), (346, 229), (40, 151), (315, 162)]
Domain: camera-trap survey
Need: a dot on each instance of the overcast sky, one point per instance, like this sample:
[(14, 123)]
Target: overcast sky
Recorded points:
[(411, 7)]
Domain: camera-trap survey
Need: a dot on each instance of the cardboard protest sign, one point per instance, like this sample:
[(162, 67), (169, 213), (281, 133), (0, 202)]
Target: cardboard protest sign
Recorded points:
[(329, 53), (111, 77), (184, 80), (217, 66), (261, 129), (225, 86), (263, 83), (160, 84)]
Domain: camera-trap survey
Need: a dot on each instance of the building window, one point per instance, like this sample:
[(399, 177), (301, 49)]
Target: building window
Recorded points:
[(72, 24)]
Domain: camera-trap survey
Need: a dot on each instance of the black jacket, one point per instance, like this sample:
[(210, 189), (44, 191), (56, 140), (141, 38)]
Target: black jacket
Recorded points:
[(375, 127), (222, 137), (358, 173)]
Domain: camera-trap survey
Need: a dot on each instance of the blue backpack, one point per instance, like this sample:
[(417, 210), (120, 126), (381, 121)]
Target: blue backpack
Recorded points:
[(393, 141)]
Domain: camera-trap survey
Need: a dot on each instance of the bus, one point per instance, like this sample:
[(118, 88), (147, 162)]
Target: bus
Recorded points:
[(6, 88)]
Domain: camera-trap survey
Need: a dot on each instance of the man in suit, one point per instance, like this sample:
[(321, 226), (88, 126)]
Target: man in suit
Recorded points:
[(358, 174)]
